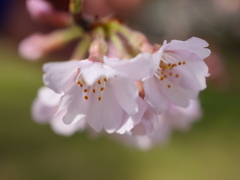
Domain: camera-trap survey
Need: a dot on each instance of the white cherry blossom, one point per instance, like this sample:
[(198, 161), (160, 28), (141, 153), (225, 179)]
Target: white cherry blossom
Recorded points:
[(102, 93), (43, 111), (180, 73), (154, 129)]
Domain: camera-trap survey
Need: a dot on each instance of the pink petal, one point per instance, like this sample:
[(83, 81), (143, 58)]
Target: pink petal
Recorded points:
[(59, 127), (133, 120), (126, 94), (93, 71), (106, 113), (58, 73), (193, 45), (75, 103), (154, 96), (142, 66)]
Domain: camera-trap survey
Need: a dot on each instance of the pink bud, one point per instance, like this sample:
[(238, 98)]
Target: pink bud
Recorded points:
[(39, 8), (44, 11), (31, 48)]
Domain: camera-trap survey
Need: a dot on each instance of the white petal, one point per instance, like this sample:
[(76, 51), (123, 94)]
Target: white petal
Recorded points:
[(175, 93), (42, 113), (93, 71), (154, 95), (126, 93), (158, 55), (191, 75), (147, 124), (59, 127), (134, 119), (106, 113), (194, 45), (142, 66), (77, 107), (182, 118), (48, 97), (57, 74)]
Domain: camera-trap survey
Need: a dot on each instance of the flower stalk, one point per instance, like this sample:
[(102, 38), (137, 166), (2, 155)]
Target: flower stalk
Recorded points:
[(98, 47), (75, 6), (82, 48)]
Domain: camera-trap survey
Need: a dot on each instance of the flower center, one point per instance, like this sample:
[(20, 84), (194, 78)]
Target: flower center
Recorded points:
[(97, 88), (166, 70)]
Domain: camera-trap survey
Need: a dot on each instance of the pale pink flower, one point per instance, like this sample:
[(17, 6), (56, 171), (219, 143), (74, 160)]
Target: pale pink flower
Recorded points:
[(103, 93), (43, 111), (148, 129), (179, 118), (180, 73), (153, 129), (150, 124), (159, 135)]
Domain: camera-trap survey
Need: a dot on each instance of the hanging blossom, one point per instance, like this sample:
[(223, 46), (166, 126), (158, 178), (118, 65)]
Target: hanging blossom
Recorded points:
[(180, 74), (102, 93), (137, 92), (174, 118), (45, 107), (155, 129)]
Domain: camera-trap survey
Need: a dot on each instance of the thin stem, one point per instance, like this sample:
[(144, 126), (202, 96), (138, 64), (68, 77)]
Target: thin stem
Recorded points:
[(118, 43), (71, 33), (75, 6), (136, 40), (98, 47), (82, 48), (117, 27)]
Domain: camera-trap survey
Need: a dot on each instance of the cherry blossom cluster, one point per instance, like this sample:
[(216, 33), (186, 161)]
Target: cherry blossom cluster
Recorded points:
[(116, 81)]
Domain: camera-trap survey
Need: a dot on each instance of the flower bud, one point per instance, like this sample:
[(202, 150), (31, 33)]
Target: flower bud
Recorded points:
[(38, 45), (44, 11)]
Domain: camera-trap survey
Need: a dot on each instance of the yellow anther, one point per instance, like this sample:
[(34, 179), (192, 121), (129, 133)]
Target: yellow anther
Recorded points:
[(170, 73), (99, 82), (86, 97), (85, 90), (80, 84), (169, 86), (161, 78), (164, 66), (94, 90), (102, 88), (184, 62), (177, 75), (165, 76), (105, 79), (179, 63), (99, 98)]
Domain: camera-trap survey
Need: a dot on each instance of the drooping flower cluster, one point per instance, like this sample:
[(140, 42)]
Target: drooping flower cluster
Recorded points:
[(118, 83)]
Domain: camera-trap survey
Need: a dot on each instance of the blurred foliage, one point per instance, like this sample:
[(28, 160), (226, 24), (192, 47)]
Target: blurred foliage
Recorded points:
[(29, 151)]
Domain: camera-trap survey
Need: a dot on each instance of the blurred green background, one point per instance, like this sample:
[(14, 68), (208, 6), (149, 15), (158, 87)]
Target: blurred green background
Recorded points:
[(209, 151)]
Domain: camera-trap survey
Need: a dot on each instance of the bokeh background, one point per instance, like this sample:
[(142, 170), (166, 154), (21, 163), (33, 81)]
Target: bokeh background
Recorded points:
[(210, 150)]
